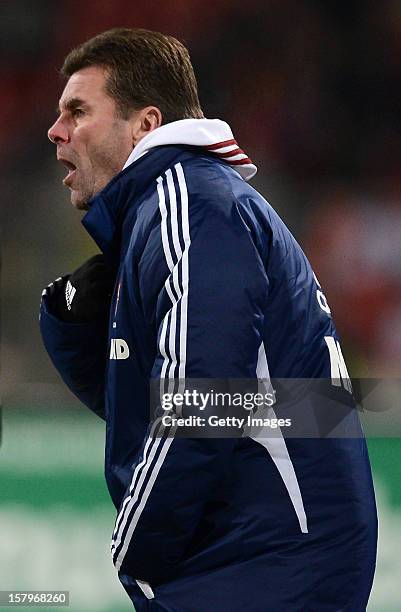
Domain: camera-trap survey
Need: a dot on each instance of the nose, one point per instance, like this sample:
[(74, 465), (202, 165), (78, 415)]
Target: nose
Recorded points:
[(58, 132)]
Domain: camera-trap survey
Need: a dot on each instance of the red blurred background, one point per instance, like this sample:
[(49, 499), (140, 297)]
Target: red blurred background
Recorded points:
[(311, 90)]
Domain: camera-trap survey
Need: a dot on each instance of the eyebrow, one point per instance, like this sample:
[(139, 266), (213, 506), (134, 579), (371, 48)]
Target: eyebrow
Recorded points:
[(71, 105)]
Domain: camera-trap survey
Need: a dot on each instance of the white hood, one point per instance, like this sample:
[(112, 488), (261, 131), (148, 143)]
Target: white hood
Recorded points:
[(211, 134)]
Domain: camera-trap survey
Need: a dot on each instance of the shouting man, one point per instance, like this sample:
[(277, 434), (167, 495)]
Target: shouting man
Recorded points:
[(199, 279)]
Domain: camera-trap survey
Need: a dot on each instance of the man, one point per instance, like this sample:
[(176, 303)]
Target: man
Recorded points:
[(206, 283)]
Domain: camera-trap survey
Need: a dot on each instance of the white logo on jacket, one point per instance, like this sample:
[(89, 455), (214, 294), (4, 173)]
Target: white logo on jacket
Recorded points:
[(119, 349)]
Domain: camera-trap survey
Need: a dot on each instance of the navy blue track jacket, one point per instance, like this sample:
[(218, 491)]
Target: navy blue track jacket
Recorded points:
[(211, 284)]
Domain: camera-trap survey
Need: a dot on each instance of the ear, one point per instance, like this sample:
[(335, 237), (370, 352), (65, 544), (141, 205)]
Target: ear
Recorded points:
[(145, 121)]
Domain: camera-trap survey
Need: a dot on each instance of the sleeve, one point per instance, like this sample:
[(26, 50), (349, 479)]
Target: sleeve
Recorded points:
[(78, 351), (210, 317)]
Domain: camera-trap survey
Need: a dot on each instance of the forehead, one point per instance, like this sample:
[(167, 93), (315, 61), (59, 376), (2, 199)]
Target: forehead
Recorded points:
[(88, 85)]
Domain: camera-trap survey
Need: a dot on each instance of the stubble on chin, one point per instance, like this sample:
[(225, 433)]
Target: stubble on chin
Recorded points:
[(80, 201), (81, 205), (83, 191)]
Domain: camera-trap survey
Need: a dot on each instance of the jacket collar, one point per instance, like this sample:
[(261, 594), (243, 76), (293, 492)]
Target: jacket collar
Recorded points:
[(152, 154), (108, 209)]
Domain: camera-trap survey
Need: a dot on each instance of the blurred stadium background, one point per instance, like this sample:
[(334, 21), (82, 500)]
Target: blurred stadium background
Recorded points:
[(311, 89)]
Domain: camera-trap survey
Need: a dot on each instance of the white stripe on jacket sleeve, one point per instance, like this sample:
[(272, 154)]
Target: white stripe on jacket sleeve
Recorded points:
[(174, 324)]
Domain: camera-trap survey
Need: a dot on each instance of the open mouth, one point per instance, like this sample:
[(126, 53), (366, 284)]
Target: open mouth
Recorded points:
[(71, 171)]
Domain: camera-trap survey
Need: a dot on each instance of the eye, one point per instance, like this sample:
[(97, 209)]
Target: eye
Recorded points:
[(77, 112)]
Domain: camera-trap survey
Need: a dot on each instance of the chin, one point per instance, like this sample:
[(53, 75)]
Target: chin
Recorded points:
[(78, 201), (79, 204)]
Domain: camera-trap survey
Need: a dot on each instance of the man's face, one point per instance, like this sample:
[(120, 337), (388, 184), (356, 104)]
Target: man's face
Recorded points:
[(91, 139)]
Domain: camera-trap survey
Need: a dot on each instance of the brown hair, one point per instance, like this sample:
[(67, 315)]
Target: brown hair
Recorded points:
[(145, 68)]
